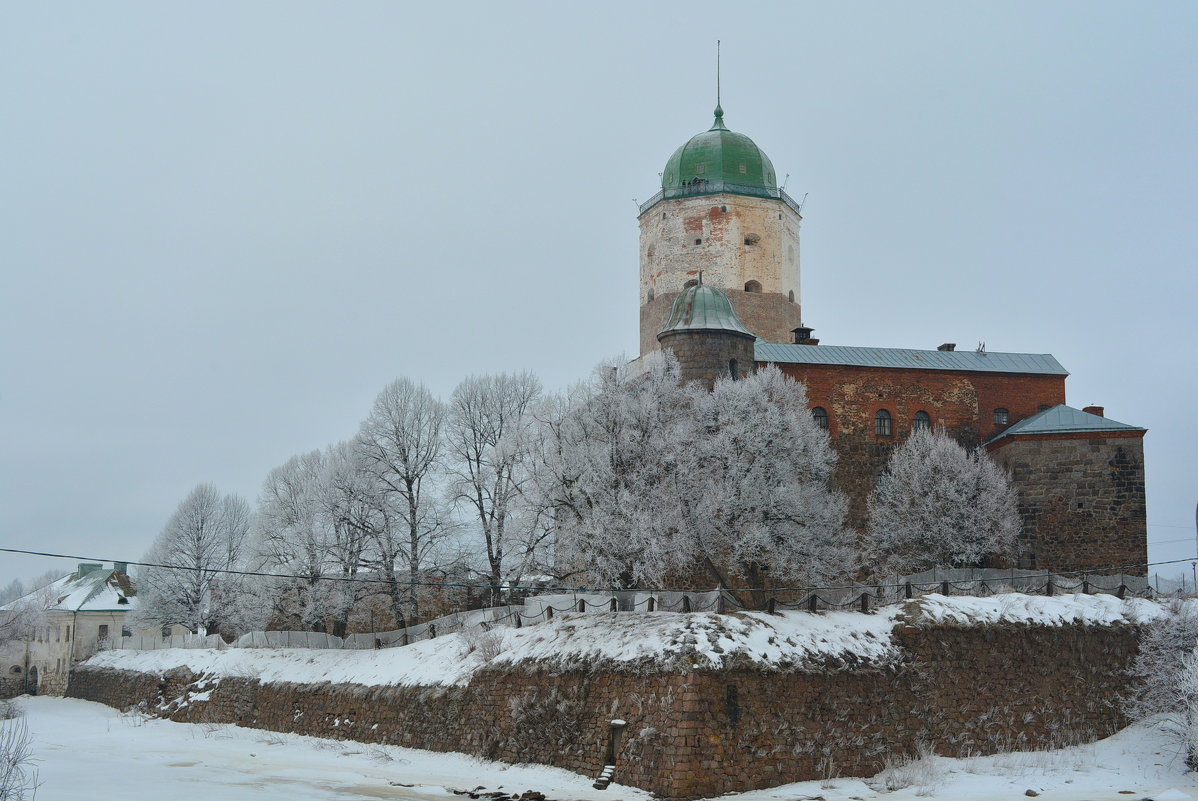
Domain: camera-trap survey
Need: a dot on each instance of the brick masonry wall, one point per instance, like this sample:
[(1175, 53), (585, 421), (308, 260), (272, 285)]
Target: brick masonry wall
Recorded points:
[(976, 689), (962, 403), (1081, 497)]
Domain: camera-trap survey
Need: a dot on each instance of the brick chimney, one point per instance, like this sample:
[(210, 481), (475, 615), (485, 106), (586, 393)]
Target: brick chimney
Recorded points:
[(1098, 410)]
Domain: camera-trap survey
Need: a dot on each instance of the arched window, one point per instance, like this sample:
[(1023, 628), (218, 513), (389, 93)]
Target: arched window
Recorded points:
[(1001, 417), (651, 294), (923, 421), (821, 417), (792, 296), (882, 424), (753, 286), (733, 371), (752, 239), (698, 240)]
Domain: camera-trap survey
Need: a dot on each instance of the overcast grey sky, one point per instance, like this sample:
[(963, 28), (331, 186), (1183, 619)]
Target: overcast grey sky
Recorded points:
[(225, 226)]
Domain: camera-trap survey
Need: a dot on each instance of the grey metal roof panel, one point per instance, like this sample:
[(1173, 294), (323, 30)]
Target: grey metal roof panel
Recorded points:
[(1065, 420), (1041, 363)]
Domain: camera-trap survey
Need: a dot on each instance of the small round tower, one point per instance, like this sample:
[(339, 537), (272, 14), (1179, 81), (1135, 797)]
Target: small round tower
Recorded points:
[(721, 213), (707, 337)]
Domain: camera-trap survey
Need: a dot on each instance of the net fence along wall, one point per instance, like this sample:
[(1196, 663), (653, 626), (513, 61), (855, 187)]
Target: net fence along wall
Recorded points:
[(540, 608)]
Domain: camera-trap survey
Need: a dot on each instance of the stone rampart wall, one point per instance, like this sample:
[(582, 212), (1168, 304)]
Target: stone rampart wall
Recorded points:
[(968, 689)]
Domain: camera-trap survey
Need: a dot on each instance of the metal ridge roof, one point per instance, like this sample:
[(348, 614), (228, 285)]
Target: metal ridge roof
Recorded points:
[(904, 358), (1064, 420)]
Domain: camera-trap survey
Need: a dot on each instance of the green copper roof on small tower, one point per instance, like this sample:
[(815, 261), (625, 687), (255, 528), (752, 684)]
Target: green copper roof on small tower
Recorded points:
[(703, 308)]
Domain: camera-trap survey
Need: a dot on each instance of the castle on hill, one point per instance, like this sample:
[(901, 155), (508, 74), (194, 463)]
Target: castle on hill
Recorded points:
[(720, 288)]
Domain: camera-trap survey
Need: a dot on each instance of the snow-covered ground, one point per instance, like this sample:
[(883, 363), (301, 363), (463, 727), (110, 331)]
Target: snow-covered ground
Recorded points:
[(700, 640), (85, 747)]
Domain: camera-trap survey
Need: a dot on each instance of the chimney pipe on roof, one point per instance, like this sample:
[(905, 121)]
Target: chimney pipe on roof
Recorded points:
[(87, 567), (1098, 410), (121, 567), (803, 336), (948, 346)]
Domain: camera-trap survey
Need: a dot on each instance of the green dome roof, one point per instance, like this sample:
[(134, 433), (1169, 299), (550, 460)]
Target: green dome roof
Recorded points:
[(720, 155), (703, 308)]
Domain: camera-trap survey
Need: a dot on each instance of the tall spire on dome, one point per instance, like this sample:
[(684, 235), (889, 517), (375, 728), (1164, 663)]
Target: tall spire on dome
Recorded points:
[(719, 110)]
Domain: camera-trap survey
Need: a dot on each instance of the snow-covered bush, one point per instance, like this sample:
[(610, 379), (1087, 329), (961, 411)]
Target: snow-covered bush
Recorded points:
[(938, 505), (923, 771), (18, 776), (1166, 672)]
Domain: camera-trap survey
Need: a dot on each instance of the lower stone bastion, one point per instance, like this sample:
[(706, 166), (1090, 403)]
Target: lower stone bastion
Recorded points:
[(703, 704)]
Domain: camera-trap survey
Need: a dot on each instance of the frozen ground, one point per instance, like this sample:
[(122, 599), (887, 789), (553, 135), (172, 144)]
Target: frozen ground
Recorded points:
[(84, 746)]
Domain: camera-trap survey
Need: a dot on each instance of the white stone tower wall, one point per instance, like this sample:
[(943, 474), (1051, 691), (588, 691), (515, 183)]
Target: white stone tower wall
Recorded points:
[(670, 257)]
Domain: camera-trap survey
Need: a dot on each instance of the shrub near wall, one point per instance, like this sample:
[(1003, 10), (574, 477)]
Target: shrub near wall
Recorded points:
[(962, 689)]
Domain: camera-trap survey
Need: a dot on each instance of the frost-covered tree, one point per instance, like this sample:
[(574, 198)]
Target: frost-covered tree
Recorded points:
[(607, 472), (305, 528), (400, 446), (756, 471), (489, 439), (1166, 676), (206, 535), (940, 505)]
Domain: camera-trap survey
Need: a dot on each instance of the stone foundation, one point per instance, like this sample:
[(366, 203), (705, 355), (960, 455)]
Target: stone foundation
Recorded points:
[(961, 689)]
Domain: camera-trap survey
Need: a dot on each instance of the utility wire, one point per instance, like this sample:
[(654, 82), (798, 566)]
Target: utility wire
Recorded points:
[(355, 579)]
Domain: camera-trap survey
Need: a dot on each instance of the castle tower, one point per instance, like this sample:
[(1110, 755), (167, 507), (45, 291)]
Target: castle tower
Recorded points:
[(720, 212), (707, 337)]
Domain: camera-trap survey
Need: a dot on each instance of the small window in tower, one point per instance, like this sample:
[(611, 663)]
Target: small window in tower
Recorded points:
[(752, 239), (923, 421), (733, 370), (651, 295), (690, 283), (724, 209), (791, 295), (743, 170), (663, 215), (820, 414), (1001, 417), (698, 241), (882, 424), (753, 286)]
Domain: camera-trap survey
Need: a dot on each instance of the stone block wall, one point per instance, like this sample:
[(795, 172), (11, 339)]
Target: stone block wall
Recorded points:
[(707, 355), (961, 689), (1081, 497)]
